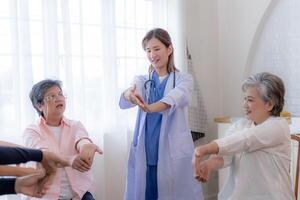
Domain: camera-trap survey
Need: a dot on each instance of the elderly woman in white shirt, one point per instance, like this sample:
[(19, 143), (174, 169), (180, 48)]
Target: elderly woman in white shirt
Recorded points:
[(257, 149)]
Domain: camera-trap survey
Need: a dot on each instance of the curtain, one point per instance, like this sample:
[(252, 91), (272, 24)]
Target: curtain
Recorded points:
[(94, 48)]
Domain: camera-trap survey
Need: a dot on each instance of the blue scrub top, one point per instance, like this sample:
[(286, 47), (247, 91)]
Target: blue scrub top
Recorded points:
[(153, 120)]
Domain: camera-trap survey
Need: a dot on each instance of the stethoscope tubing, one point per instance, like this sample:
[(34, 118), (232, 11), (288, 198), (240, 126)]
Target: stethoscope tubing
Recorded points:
[(151, 81), (152, 86)]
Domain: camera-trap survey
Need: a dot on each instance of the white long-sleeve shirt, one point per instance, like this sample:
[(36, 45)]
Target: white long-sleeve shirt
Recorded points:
[(259, 161)]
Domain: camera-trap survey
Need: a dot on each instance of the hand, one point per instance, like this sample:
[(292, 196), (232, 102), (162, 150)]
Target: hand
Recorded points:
[(201, 151), (84, 159), (154, 107), (51, 161), (130, 93), (197, 157), (141, 103), (31, 185), (80, 165), (205, 171)]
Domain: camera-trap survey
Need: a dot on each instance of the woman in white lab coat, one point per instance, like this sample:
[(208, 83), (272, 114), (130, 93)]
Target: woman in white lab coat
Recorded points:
[(257, 149), (159, 165)]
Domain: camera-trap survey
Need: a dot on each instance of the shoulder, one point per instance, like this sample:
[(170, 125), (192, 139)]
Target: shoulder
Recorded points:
[(183, 75), (32, 128), (141, 78), (279, 122), (33, 131), (183, 78), (72, 122), (239, 125)]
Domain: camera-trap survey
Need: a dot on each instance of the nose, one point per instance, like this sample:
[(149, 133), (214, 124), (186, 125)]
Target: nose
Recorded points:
[(60, 98), (245, 105), (152, 54)]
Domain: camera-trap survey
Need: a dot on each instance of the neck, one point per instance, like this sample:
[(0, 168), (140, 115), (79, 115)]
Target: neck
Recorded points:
[(161, 72), (53, 121), (259, 121)]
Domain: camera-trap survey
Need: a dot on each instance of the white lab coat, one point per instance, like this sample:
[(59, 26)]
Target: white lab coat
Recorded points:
[(259, 160), (174, 169)]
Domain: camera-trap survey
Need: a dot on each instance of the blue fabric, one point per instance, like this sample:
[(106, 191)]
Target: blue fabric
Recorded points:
[(153, 121), (151, 183), (87, 196), (17, 155)]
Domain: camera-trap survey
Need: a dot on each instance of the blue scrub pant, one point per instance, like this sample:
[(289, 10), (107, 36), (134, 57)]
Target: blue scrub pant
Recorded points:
[(151, 183), (87, 196)]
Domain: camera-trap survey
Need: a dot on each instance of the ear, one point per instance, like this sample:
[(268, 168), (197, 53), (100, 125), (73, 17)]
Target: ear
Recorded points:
[(270, 105), (40, 107), (170, 49)]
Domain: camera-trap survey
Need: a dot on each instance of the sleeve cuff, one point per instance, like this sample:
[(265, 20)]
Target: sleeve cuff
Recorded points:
[(36, 155), (220, 145), (227, 160), (7, 186), (81, 142)]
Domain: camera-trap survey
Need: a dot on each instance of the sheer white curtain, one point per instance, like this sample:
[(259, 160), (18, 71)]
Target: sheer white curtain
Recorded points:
[(94, 47)]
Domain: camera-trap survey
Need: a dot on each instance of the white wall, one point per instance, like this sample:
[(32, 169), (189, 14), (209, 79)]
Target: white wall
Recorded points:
[(238, 23), (202, 40)]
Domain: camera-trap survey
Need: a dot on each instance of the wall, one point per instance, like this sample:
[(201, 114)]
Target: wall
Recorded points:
[(202, 39), (238, 24)]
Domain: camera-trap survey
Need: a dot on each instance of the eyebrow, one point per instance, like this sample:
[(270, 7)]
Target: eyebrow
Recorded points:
[(51, 93), (157, 46)]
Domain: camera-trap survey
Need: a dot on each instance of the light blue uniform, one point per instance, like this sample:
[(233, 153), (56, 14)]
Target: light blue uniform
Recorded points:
[(174, 167)]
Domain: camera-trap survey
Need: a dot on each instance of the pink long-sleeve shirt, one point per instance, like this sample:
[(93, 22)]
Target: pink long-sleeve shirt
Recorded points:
[(38, 136)]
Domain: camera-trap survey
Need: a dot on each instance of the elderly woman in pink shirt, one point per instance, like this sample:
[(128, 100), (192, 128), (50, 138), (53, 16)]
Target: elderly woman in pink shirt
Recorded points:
[(65, 137)]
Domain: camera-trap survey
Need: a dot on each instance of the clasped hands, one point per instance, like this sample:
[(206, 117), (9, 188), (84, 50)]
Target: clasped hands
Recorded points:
[(37, 183), (133, 97), (202, 168)]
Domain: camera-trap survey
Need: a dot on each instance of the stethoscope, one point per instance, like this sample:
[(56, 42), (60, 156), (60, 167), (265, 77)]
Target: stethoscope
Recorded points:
[(150, 87)]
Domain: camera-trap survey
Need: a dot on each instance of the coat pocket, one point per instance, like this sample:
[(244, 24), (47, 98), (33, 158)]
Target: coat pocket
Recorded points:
[(181, 146)]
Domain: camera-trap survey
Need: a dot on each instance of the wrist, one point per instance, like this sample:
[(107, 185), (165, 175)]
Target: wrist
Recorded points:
[(81, 142), (199, 152), (89, 146), (126, 95), (17, 186)]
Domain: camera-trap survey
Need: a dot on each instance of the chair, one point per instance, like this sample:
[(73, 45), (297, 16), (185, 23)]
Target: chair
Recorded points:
[(296, 137)]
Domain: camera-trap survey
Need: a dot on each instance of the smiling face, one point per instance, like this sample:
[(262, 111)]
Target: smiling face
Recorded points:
[(54, 104), (158, 54), (255, 108)]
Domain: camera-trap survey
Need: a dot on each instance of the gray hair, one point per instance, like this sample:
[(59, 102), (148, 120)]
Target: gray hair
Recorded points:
[(270, 88), (39, 90)]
